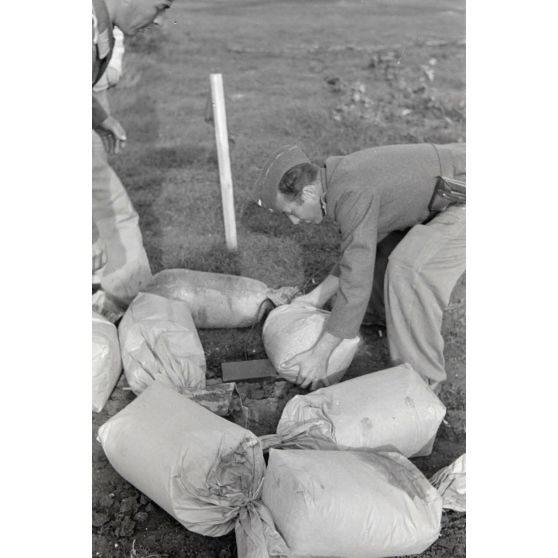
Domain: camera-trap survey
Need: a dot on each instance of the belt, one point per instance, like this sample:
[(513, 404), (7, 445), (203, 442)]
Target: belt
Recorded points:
[(447, 192)]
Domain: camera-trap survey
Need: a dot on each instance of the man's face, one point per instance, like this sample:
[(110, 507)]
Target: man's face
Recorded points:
[(307, 209), (137, 14)]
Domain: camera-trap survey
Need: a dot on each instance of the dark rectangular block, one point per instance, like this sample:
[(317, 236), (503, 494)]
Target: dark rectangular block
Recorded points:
[(248, 370)]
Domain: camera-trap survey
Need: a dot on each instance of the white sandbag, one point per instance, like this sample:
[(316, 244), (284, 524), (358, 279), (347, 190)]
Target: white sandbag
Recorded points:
[(107, 364), (294, 328), (450, 483), (389, 409), (158, 340), (217, 300), (349, 504), (203, 470)]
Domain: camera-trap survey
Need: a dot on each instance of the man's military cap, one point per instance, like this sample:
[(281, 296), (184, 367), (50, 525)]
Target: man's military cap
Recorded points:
[(282, 160)]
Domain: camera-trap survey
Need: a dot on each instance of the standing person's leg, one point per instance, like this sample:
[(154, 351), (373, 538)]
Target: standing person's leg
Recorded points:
[(127, 269), (420, 277)]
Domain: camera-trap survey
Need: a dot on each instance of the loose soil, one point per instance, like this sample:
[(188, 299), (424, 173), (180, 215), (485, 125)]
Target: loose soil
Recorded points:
[(333, 76)]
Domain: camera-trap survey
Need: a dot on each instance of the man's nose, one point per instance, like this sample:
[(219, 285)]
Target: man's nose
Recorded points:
[(294, 220)]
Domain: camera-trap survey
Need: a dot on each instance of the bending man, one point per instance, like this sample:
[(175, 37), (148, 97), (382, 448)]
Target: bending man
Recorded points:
[(393, 198)]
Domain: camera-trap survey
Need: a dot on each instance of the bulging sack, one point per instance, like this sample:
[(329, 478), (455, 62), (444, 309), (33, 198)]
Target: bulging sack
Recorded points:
[(107, 364), (389, 409), (159, 340), (349, 504), (203, 470), (294, 328), (217, 300)]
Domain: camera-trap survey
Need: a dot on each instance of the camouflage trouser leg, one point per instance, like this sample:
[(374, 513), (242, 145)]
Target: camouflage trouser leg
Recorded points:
[(420, 276), (127, 269)]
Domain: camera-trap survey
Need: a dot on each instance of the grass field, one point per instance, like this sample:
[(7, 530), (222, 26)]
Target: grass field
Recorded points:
[(332, 76)]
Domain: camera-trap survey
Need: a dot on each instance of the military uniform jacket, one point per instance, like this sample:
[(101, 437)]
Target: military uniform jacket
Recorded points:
[(369, 194), (103, 43)]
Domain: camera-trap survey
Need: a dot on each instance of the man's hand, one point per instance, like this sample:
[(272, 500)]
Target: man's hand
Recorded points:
[(312, 368), (112, 75), (312, 364), (99, 255), (309, 298), (112, 134), (321, 294)]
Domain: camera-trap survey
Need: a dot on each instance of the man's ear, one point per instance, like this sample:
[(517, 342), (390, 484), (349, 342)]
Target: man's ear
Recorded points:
[(309, 192)]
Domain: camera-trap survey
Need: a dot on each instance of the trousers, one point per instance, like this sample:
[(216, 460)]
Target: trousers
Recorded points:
[(127, 270), (421, 273)]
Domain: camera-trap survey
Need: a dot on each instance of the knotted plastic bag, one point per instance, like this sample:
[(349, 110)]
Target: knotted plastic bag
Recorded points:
[(351, 504), (389, 409), (159, 340), (217, 300), (294, 328), (203, 470), (107, 364)]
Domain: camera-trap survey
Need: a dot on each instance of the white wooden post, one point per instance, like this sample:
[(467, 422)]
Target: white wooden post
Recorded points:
[(225, 175)]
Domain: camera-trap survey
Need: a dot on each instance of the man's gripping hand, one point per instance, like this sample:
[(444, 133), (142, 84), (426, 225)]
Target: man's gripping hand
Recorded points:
[(313, 363), (312, 369), (112, 134)]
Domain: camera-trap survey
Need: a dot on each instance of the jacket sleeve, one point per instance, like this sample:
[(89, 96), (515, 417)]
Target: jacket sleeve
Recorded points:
[(357, 216)]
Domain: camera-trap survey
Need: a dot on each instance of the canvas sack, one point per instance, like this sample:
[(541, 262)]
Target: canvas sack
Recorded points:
[(294, 328), (159, 340), (349, 504), (203, 470), (218, 300), (107, 364), (390, 409)]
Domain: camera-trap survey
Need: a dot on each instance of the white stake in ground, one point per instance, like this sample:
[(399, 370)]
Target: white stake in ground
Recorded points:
[(225, 175)]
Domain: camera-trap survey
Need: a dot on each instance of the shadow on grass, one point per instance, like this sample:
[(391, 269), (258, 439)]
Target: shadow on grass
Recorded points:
[(218, 259), (181, 156), (139, 115), (148, 41), (259, 220), (318, 243), (143, 168)]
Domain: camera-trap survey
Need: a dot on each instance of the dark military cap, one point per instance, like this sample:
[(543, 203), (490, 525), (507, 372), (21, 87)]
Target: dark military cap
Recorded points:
[(281, 161)]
